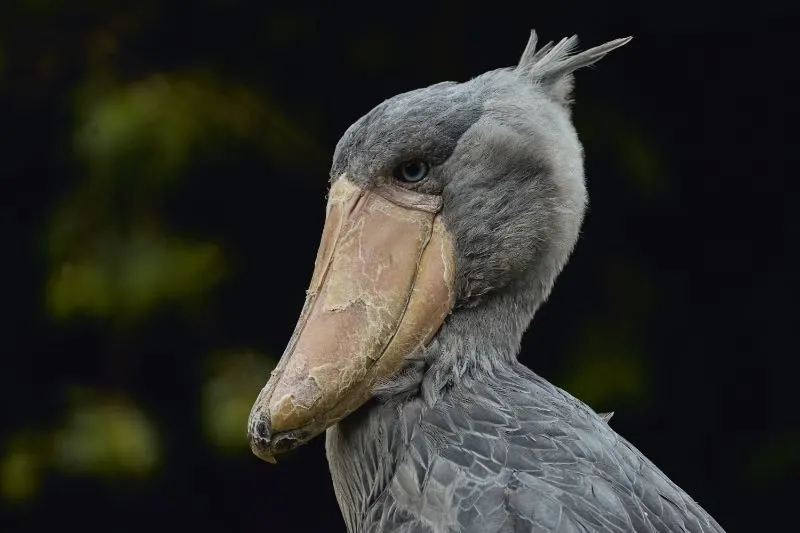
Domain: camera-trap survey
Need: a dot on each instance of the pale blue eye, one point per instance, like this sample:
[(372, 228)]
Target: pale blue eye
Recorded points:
[(411, 171)]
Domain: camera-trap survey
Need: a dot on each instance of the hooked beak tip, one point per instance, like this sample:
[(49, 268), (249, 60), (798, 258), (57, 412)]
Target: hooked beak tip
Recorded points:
[(260, 437), (268, 458), (266, 443)]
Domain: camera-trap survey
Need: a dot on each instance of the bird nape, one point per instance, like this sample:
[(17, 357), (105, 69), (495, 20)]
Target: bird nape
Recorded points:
[(451, 212)]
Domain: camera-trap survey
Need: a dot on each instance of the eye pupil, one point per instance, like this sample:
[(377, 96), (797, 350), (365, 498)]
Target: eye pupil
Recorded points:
[(412, 171)]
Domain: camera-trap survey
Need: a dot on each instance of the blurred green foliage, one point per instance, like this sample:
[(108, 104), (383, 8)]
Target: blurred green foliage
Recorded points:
[(129, 276), (607, 365), (100, 435), (232, 385), (147, 130), (105, 435), (20, 468), (776, 459), (111, 255), (633, 151)]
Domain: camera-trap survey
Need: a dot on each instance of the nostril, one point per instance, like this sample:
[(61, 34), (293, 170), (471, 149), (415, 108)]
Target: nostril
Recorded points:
[(262, 430)]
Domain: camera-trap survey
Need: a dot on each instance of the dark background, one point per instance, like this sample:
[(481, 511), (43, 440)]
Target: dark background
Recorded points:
[(164, 167)]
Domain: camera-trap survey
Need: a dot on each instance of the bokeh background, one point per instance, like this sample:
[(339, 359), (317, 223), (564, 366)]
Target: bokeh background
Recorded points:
[(164, 168)]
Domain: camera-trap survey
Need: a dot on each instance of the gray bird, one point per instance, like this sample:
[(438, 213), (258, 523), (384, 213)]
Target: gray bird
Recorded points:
[(452, 209)]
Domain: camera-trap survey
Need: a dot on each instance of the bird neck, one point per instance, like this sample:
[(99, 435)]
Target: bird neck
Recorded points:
[(481, 337), (475, 340), (474, 345), (366, 450), (363, 452)]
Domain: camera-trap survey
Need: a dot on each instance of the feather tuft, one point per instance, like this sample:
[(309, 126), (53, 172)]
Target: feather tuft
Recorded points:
[(553, 65)]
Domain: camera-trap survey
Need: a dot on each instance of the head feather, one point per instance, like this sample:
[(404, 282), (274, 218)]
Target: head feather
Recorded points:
[(552, 65)]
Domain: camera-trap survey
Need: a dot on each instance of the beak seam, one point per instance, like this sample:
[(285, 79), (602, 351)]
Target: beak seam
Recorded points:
[(410, 292)]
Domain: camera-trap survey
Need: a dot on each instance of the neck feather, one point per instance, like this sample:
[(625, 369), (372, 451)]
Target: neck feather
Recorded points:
[(474, 340)]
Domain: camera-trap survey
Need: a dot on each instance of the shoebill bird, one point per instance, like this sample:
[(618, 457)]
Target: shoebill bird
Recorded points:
[(451, 211)]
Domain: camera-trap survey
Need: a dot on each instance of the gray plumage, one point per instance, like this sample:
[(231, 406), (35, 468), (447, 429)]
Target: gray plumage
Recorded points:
[(465, 438)]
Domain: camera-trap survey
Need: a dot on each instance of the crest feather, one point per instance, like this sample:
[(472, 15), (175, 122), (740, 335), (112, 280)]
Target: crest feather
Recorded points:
[(552, 65)]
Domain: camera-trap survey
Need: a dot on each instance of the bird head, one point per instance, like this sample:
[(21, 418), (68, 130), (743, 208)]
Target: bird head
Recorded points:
[(440, 198)]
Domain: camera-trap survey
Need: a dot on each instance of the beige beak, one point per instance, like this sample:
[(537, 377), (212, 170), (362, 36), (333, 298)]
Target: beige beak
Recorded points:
[(381, 288)]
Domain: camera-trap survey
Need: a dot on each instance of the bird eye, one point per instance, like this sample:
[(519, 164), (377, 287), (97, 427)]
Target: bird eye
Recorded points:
[(411, 171)]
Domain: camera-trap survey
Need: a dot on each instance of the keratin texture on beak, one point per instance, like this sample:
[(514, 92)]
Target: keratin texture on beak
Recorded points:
[(382, 287)]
